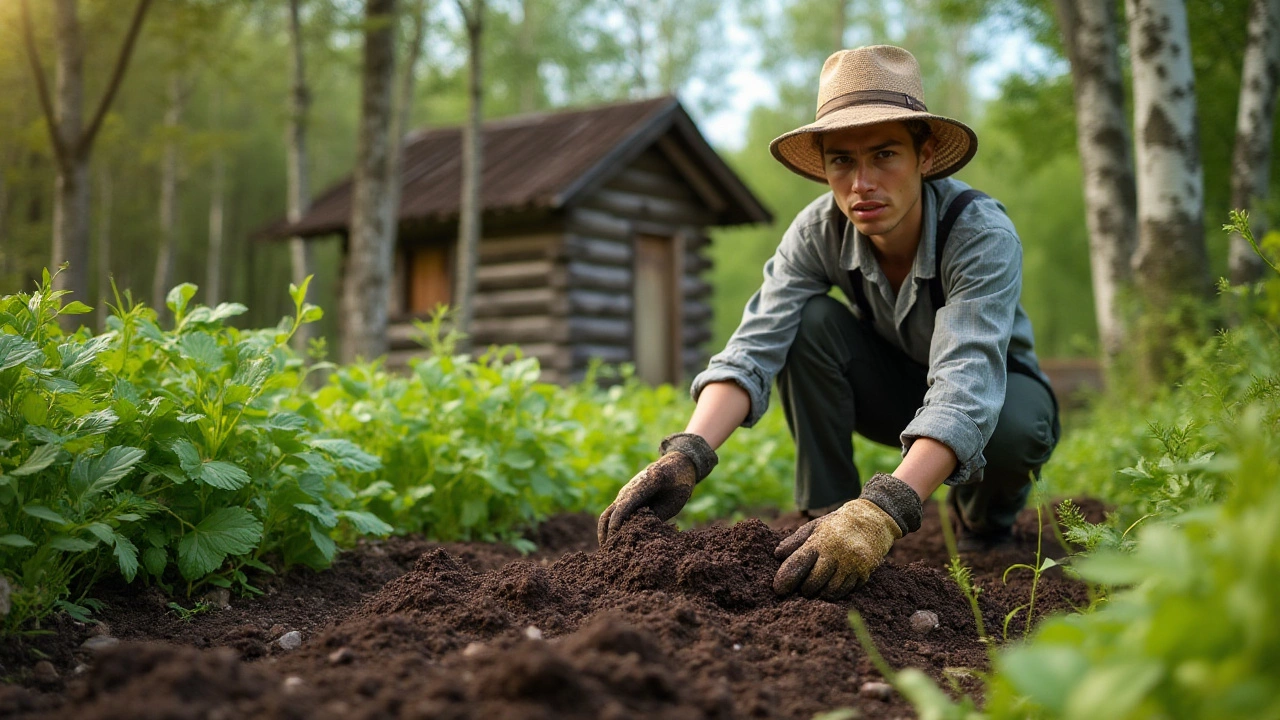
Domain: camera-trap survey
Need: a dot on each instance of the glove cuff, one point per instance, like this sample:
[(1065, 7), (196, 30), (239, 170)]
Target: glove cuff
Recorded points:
[(897, 499), (695, 448)]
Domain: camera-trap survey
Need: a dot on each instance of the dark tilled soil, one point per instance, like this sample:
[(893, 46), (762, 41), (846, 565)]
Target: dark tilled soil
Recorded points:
[(657, 624)]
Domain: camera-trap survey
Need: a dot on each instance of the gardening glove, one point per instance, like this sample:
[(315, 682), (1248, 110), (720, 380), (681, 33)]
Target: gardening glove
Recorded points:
[(664, 486), (837, 552)]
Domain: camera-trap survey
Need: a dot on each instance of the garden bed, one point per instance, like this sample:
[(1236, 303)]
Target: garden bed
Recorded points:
[(658, 624)]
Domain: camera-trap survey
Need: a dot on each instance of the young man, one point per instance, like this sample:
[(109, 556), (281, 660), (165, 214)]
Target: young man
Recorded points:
[(936, 353)]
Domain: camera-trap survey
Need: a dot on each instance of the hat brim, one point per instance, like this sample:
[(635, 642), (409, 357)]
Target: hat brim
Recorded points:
[(956, 142)]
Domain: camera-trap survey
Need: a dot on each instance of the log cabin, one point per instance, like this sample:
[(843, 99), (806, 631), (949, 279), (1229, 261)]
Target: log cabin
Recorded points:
[(595, 236)]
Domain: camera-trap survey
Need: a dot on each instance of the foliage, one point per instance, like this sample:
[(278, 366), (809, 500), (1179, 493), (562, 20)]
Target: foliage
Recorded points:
[(158, 454)]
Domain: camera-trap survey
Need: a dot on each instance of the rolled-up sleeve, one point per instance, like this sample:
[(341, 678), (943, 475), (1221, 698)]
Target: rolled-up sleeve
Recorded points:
[(757, 349), (967, 355)]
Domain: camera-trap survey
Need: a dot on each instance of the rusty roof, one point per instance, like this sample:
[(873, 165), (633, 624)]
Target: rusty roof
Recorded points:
[(531, 162)]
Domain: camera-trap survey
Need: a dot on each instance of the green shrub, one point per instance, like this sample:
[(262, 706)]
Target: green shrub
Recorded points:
[(159, 454)]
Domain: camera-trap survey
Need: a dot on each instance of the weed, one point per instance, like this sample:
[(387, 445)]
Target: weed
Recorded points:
[(187, 615)]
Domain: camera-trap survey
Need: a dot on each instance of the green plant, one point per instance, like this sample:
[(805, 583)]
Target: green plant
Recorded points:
[(1042, 564), (186, 615)]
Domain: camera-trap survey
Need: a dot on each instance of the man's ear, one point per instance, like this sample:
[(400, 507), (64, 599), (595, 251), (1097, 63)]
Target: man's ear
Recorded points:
[(927, 154)]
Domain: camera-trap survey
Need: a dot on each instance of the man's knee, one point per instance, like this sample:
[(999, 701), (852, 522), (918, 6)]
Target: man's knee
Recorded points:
[(823, 320), (1024, 437)]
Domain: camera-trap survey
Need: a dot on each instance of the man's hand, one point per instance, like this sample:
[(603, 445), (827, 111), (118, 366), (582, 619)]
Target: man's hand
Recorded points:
[(664, 486), (836, 553)]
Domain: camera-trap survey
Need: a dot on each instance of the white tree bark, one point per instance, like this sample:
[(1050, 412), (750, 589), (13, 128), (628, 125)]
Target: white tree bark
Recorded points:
[(168, 197), (367, 274), (403, 112), (1091, 36), (104, 245), (217, 228), (1170, 259), (1251, 161), (298, 172), (469, 220)]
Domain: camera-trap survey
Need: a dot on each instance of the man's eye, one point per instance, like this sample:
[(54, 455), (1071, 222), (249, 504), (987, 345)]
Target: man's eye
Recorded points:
[(841, 159), (885, 154)]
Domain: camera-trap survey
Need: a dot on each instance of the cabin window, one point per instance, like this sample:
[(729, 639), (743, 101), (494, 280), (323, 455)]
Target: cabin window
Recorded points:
[(429, 280), (657, 349)]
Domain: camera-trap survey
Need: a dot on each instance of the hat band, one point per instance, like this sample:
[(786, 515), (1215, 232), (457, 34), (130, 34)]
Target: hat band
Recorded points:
[(870, 97)]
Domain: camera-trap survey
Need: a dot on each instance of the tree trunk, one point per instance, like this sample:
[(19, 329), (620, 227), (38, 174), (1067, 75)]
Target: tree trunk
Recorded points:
[(104, 245), (401, 114), (1091, 37), (299, 175), (217, 228), (1251, 161), (526, 42), (71, 197), (1171, 261), (168, 198), (366, 285), (469, 220)]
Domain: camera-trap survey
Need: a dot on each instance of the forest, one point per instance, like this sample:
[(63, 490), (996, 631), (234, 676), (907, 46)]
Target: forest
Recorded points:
[(223, 492)]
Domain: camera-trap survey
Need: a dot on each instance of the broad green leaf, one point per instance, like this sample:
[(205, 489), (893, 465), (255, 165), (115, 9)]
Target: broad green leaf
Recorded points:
[(311, 313), (517, 460), (229, 531), (14, 540), (16, 350), (178, 298), (325, 544), (318, 464), (223, 475), (287, 421), (127, 556), (496, 481), (95, 423), (155, 559), (367, 523), (44, 513), (188, 456), (227, 310), (323, 514), (6, 444), (103, 532), (202, 349), (42, 458), (347, 453), (128, 517), (1114, 692), (115, 464), (299, 292), (75, 307), (71, 544)]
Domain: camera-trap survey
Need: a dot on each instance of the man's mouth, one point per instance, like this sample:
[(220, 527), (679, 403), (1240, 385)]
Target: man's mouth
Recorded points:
[(867, 209)]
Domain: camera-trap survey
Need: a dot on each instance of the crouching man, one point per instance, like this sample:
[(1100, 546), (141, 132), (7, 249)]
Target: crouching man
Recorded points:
[(935, 352)]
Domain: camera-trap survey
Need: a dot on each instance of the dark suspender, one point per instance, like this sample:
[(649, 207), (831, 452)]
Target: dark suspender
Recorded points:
[(937, 293)]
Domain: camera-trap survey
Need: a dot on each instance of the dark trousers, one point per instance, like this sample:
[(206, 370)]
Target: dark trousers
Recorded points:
[(840, 377)]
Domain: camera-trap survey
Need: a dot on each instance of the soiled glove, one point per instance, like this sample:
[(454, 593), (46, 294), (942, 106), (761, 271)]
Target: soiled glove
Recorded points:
[(836, 553), (664, 486)]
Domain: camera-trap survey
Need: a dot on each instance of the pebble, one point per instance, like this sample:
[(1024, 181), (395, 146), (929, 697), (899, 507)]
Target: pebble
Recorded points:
[(80, 669), (341, 656), (923, 621), (737, 646), (533, 633), (99, 642), (473, 649), (292, 684), (291, 640), (219, 598), (5, 590), (45, 672), (876, 690)]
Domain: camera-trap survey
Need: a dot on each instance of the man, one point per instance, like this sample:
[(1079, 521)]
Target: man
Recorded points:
[(936, 353)]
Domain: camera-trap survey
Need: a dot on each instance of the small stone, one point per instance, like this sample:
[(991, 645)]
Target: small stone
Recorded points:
[(533, 633), (80, 669), (924, 621), (341, 656), (737, 646), (291, 640), (99, 642), (5, 590), (219, 598), (292, 684), (876, 691), (473, 649), (45, 672)]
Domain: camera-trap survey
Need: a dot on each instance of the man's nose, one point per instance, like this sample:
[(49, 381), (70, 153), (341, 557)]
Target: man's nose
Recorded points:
[(864, 179)]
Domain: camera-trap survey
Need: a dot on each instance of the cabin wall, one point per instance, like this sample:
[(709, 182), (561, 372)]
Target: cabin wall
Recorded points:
[(647, 198)]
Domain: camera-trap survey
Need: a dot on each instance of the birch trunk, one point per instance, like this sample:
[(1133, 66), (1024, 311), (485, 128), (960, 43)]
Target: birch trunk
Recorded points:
[(368, 273), (299, 168), (168, 198), (1091, 37), (1251, 161), (403, 111), (104, 245), (1170, 262), (71, 194), (217, 228), (469, 220)]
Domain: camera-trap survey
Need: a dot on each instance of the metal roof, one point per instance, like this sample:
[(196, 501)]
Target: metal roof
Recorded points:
[(532, 162)]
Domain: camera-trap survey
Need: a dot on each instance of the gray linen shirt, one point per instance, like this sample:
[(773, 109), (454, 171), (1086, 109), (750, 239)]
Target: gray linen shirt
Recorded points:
[(963, 344)]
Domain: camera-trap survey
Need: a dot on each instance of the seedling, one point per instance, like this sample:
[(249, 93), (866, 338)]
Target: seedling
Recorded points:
[(186, 615), (1041, 565)]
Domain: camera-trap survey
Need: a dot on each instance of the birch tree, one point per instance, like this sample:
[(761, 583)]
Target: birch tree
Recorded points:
[(298, 172), (403, 109), (1170, 261), (367, 274), (1251, 160), (469, 219), (71, 139), (169, 181), (1090, 36)]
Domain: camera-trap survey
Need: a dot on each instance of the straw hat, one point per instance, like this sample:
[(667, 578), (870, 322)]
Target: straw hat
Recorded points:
[(870, 85)]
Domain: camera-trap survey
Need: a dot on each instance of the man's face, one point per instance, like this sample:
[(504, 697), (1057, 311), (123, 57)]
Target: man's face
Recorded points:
[(876, 176)]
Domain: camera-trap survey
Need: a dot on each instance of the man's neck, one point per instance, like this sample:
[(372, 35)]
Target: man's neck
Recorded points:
[(896, 249)]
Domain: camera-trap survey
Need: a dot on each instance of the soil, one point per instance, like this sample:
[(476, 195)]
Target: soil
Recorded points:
[(657, 624)]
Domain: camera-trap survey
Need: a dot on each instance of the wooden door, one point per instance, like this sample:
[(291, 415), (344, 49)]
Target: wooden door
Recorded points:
[(429, 278), (657, 310)]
